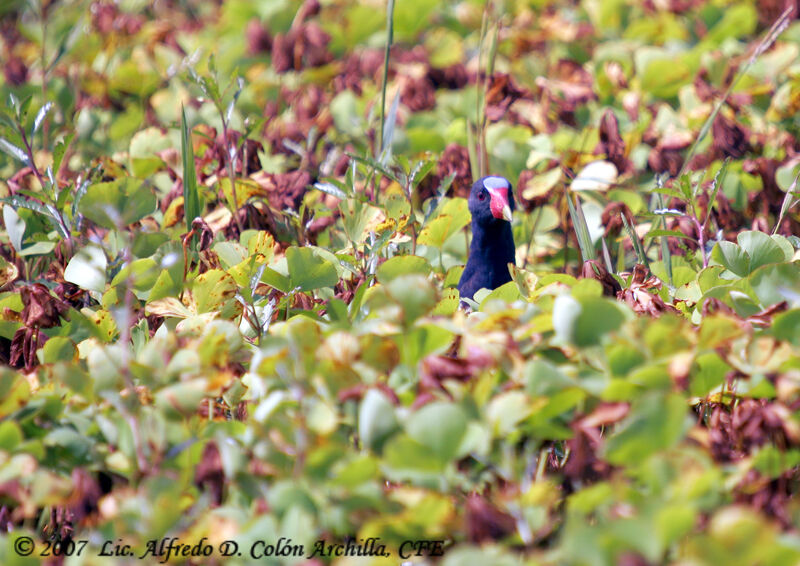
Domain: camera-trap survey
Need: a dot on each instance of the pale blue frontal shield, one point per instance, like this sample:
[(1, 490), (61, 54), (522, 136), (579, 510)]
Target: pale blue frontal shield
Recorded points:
[(495, 183)]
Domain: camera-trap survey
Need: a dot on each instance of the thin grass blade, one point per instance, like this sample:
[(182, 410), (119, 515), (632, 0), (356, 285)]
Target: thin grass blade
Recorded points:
[(191, 198), (389, 39), (391, 121), (474, 166), (666, 255), (581, 228), (771, 37), (787, 203), (637, 244), (606, 256)]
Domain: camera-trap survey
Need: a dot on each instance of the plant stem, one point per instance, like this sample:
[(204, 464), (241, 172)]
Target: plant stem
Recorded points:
[(43, 63), (772, 35), (58, 215), (530, 240), (483, 149), (378, 150), (480, 97), (125, 354), (474, 166), (701, 239), (541, 464), (389, 39), (231, 173)]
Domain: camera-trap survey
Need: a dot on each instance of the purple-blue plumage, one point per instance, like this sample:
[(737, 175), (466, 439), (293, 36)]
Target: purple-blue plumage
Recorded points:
[(492, 249)]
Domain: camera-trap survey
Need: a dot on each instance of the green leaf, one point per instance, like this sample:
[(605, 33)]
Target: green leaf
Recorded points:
[(145, 244), (38, 248), (309, 270), (357, 471), (717, 330), (655, 423), (58, 349), (14, 151), (411, 17), (709, 374), (595, 176), (376, 420), (118, 203), (344, 108), (506, 410), (14, 391), (775, 282), (448, 303), (566, 311), (23, 107), (143, 274), (181, 398), (732, 257), (664, 77), (406, 460), (423, 340), (560, 403), (440, 426), (773, 462), (760, 247), (87, 269), (164, 286), (287, 495), (10, 435), (73, 445), (104, 328), (415, 295), (544, 378), (276, 280), (40, 116), (452, 217), (334, 188), (785, 175), (738, 20), (15, 227), (48, 212), (144, 148), (215, 291), (541, 184), (786, 326), (402, 265), (675, 521), (191, 197), (355, 217), (585, 322), (508, 292), (622, 358)]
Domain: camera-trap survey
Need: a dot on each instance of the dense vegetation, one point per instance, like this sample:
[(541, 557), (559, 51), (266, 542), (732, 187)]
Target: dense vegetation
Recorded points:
[(232, 236)]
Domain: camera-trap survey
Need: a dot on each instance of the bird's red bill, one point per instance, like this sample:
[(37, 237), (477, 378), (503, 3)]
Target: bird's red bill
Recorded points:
[(499, 203)]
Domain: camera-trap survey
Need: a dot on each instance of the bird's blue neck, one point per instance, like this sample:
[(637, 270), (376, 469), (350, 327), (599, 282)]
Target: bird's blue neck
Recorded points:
[(494, 243)]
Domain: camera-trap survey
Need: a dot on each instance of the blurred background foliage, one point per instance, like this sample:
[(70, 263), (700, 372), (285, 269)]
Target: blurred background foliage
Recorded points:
[(232, 236)]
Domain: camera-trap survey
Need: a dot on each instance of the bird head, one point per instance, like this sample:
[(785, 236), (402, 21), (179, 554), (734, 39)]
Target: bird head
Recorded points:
[(491, 200)]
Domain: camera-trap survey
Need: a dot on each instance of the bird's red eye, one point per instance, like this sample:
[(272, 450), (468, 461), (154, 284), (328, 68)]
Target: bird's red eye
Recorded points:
[(481, 196)]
